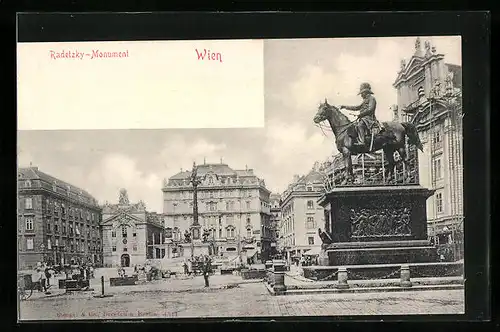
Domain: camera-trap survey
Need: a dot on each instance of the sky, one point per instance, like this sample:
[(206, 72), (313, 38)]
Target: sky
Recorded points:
[(298, 75)]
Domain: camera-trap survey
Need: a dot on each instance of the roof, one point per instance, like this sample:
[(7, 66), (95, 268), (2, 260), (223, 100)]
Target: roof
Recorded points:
[(312, 177), (219, 169), (33, 173)]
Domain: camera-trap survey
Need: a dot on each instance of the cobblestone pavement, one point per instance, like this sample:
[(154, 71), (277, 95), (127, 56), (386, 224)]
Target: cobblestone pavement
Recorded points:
[(188, 298)]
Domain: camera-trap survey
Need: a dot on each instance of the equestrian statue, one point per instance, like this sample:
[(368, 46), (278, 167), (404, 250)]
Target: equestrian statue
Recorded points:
[(367, 134)]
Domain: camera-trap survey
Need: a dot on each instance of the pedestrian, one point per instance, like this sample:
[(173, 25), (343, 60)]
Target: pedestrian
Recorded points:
[(41, 279), (47, 275), (207, 268), (189, 267)]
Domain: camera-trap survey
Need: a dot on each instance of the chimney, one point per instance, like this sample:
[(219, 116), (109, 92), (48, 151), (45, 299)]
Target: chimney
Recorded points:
[(296, 178)]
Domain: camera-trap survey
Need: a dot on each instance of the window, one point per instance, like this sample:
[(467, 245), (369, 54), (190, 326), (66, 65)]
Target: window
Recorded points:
[(310, 240), (134, 247), (437, 169), (249, 204), (125, 249), (113, 248), (439, 202), (249, 221), (249, 232), (310, 205), (28, 203), (27, 184), (310, 222), (437, 140), (56, 228), (48, 226), (220, 233), (29, 244), (211, 193), (230, 232), (211, 181), (134, 234), (113, 233), (29, 223), (309, 188), (124, 231)]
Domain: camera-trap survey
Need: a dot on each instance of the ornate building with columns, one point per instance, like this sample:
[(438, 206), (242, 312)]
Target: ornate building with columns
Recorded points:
[(429, 94), (301, 215), (58, 223), (233, 208), (130, 233)]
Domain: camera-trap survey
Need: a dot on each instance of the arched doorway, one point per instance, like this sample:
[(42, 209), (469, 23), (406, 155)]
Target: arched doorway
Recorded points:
[(125, 260)]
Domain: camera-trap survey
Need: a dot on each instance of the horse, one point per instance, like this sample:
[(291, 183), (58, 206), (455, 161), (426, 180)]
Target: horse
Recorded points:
[(391, 138)]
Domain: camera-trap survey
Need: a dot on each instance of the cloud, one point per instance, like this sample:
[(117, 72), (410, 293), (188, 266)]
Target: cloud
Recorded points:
[(292, 150), (24, 157), (116, 171)]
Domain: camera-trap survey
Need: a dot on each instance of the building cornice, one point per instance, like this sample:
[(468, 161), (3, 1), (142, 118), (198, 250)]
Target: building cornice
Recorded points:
[(44, 191)]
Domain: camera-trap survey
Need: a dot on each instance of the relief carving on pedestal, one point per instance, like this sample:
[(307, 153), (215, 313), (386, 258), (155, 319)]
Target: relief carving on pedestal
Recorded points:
[(380, 222)]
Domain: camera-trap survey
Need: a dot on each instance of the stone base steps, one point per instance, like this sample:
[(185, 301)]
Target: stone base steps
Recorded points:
[(380, 289), (373, 286)]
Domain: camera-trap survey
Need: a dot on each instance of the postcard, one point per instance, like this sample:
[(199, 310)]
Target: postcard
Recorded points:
[(240, 178)]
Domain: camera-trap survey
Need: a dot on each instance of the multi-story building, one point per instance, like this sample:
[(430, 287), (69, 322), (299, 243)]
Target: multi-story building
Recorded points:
[(301, 215), (429, 95), (57, 222), (233, 206), (130, 233)]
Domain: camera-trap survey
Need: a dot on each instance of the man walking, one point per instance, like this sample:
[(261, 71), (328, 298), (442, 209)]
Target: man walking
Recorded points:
[(207, 269)]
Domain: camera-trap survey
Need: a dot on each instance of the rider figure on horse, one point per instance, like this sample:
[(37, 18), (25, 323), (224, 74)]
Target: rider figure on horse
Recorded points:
[(366, 117)]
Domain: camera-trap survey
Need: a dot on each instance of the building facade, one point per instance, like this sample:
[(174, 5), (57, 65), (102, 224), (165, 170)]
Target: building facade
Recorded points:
[(301, 215), (58, 223), (131, 235), (233, 206), (430, 96)]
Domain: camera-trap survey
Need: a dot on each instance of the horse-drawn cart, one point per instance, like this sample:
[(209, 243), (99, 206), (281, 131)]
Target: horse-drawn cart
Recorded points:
[(26, 286)]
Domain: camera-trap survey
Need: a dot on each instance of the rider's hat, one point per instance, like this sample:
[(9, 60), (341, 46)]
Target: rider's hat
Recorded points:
[(365, 87)]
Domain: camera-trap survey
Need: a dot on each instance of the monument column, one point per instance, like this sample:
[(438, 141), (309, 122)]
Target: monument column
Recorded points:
[(195, 227)]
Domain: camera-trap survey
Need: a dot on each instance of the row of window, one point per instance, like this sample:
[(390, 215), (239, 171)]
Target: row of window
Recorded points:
[(289, 225), (213, 220), (124, 232), (53, 245), (91, 233), (134, 248), (213, 194), (176, 234)]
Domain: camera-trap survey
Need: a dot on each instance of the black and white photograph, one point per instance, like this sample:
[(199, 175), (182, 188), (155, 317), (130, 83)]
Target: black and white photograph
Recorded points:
[(342, 196)]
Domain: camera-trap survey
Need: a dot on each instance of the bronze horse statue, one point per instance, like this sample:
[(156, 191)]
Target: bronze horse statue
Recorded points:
[(391, 138)]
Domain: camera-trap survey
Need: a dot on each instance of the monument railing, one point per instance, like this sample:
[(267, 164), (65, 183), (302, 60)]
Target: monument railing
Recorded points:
[(374, 174)]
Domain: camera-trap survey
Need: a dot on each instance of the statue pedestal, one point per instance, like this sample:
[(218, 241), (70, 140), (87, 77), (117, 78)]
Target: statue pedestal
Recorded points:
[(197, 248), (377, 225)]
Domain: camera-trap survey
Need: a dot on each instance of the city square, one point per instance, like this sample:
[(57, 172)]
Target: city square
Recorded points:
[(188, 298), (373, 228)]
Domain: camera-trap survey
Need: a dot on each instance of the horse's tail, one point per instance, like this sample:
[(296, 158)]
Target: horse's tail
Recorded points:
[(411, 132)]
